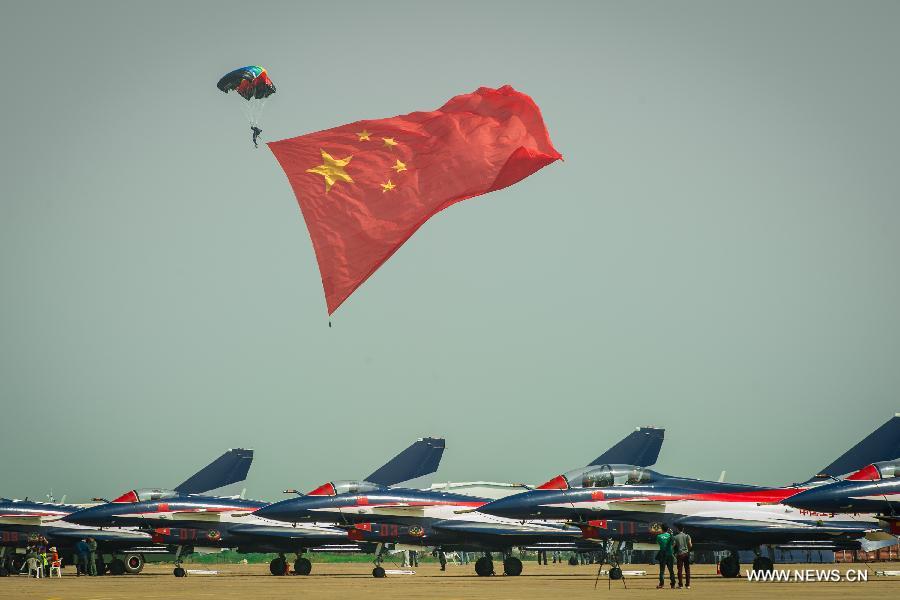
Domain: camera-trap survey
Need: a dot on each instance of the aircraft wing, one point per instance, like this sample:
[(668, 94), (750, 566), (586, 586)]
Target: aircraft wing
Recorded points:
[(316, 536), (754, 532), (101, 535), (21, 520), (399, 509), (206, 516), (503, 529)]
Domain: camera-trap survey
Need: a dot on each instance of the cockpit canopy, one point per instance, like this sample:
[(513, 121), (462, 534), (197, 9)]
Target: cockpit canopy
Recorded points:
[(880, 470), (600, 476), (336, 488), (146, 494)]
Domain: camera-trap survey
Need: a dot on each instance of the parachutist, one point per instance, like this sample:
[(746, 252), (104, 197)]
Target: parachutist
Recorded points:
[(256, 131)]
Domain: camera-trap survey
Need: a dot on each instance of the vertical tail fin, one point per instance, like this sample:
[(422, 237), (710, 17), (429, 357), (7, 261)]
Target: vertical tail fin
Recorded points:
[(880, 445), (640, 448), (229, 468), (421, 458)]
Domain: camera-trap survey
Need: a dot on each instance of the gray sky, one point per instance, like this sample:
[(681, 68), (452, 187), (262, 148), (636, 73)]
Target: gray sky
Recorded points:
[(718, 254)]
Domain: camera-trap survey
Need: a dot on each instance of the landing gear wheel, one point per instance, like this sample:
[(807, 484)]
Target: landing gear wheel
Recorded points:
[(729, 567), (276, 567), (302, 566), (512, 566), (134, 564), (4, 572), (615, 573), (573, 561), (484, 566), (762, 564), (378, 572), (117, 567), (178, 572)]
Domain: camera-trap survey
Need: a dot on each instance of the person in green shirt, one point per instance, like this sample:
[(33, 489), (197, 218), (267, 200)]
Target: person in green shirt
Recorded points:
[(666, 558)]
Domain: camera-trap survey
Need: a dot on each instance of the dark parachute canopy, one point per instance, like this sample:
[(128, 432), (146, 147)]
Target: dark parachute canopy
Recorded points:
[(251, 82)]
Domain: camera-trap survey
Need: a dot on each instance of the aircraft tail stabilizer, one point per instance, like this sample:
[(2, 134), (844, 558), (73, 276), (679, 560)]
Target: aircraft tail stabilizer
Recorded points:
[(881, 445), (421, 458), (231, 467), (640, 448)]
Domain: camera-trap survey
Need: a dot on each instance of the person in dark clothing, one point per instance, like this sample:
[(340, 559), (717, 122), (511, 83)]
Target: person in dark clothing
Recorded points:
[(682, 545), (256, 131), (83, 553), (666, 558), (443, 560)]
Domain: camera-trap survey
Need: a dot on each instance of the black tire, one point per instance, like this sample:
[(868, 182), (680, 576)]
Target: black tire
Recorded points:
[(615, 573), (512, 566), (134, 564), (276, 567), (117, 567), (573, 561), (17, 561), (178, 572), (378, 572), (302, 566), (4, 572), (729, 567), (763, 564), (484, 567)]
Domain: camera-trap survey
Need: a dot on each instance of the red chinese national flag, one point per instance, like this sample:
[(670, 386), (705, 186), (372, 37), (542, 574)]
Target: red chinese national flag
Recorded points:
[(364, 188)]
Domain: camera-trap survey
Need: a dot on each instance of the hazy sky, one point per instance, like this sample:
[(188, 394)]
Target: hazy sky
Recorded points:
[(718, 254)]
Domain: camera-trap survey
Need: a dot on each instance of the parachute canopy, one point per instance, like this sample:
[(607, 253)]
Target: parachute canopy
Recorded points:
[(251, 82)]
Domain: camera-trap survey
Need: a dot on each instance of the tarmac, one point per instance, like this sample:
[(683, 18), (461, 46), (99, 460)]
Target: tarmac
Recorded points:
[(354, 580)]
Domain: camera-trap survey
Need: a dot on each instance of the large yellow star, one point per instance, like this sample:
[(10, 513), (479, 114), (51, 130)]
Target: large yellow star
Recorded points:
[(364, 135), (400, 166), (332, 169), (390, 142), (386, 187)]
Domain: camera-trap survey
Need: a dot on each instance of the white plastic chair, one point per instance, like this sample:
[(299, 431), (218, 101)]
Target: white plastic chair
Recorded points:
[(34, 566), (56, 566)]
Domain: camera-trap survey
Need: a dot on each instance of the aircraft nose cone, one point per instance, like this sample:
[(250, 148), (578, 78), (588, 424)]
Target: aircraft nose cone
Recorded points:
[(85, 516), (519, 506), (280, 511), (813, 499)]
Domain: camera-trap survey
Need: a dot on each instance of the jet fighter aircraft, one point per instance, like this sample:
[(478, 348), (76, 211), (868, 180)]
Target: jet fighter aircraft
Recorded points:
[(442, 520), (874, 489), (121, 550), (208, 521), (717, 515)]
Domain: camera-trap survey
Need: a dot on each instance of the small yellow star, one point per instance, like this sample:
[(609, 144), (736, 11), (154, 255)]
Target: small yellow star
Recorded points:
[(332, 169), (389, 142), (400, 166), (364, 135), (386, 187)]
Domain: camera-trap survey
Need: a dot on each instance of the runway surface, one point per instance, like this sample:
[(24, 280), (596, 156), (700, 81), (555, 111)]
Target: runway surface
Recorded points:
[(349, 580)]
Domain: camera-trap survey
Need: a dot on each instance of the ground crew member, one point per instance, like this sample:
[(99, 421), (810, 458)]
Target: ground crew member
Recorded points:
[(683, 545), (666, 558), (92, 556), (82, 552), (75, 561)]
